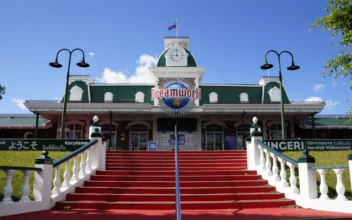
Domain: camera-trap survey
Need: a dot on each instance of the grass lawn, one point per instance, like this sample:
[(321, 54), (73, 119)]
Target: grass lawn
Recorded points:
[(22, 159), (329, 158)]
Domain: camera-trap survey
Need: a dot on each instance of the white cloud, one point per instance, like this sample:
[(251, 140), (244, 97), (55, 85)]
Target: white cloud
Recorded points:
[(20, 103), (330, 104), (141, 75), (314, 99), (91, 54), (334, 84), (318, 87)]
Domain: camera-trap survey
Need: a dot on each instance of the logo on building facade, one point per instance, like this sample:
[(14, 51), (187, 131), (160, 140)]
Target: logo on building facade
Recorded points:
[(176, 96)]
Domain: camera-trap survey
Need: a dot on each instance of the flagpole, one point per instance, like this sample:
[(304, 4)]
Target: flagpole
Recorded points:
[(176, 27)]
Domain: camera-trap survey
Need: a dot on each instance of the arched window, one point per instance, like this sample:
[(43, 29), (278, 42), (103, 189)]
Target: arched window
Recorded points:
[(108, 97), (274, 94), (76, 93), (213, 97), (139, 97), (244, 97)]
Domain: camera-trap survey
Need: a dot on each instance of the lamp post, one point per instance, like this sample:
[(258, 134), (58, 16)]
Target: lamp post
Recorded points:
[(292, 67), (56, 64)]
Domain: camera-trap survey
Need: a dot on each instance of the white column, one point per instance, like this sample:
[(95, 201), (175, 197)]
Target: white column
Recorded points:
[(340, 188), (56, 181), (8, 187), (275, 167), (74, 177), (26, 188), (323, 187), (268, 172), (261, 160), (283, 173), (293, 179), (67, 175), (307, 180)]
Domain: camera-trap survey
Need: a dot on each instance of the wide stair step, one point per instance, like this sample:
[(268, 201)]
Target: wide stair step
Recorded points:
[(146, 180)]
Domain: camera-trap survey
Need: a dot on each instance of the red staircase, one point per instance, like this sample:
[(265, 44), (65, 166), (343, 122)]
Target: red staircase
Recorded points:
[(146, 180)]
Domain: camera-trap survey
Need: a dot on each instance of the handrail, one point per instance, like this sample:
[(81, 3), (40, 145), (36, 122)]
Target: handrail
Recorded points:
[(177, 179), (277, 153), (19, 168), (74, 153), (328, 167)]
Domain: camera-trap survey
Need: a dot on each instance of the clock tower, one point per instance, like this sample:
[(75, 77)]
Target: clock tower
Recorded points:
[(176, 64)]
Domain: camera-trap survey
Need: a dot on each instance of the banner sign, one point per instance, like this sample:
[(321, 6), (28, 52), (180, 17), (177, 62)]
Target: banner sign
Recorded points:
[(176, 95), (42, 144), (311, 145)]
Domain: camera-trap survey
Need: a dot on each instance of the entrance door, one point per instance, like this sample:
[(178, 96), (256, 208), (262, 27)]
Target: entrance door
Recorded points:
[(214, 141), (139, 141)]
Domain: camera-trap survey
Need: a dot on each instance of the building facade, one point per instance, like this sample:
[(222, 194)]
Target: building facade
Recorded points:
[(210, 116)]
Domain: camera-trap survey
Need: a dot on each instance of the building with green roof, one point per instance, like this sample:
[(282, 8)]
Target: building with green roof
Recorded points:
[(211, 116)]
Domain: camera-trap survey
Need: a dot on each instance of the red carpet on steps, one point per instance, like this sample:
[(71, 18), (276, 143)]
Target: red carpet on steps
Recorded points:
[(146, 181), (245, 214)]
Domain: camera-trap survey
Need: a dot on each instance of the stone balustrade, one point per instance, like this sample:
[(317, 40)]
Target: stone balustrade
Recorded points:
[(265, 159), (86, 160)]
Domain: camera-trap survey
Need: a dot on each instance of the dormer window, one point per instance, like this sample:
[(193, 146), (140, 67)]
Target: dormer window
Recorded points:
[(274, 94), (76, 93), (140, 97), (244, 97), (213, 97), (108, 97)]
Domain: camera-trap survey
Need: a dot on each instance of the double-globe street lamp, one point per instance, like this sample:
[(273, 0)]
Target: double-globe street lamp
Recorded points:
[(292, 67), (56, 64)]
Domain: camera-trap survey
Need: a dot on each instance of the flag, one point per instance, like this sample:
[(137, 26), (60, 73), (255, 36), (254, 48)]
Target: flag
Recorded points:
[(172, 26)]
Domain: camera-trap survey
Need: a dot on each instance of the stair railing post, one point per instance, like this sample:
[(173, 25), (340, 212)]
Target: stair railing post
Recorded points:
[(98, 152), (43, 180), (307, 177), (253, 152)]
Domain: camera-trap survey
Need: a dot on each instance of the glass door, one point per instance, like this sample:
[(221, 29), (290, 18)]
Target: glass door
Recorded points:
[(139, 141), (209, 143), (214, 141), (218, 144)]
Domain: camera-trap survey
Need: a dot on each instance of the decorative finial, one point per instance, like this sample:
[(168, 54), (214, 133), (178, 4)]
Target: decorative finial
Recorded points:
[(95, 119), (255, 120)]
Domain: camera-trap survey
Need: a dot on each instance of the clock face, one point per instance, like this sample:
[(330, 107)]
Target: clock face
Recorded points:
[(177, 54)]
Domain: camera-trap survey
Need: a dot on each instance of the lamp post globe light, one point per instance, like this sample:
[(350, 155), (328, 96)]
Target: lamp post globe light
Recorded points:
[(292, 67), (56, 64)]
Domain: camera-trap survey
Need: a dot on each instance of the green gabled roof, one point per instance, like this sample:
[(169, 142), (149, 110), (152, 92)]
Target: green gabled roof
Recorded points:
[(271, 85), (122, 93), (20, 121), (231, 94), (329, 121), (191, 60)]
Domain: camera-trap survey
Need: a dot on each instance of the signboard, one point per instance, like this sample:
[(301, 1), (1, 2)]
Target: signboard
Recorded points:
[(152, 146), (42, 144), (176, 95), (311, 145)]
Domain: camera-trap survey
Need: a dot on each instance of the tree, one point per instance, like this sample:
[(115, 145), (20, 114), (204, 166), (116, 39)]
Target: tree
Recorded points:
[(339, 23), (2, 91)]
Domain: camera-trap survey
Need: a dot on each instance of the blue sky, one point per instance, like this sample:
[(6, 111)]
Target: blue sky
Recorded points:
[(122, 38)]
